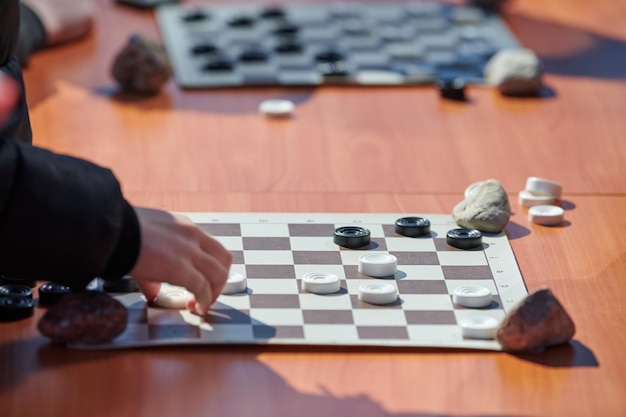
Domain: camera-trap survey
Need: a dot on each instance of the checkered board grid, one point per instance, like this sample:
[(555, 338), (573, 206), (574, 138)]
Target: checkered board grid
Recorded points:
[(274, 250), (379, 43)]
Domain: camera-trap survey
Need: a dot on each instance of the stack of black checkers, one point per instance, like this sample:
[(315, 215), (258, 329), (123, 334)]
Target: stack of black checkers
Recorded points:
[(16, 302)]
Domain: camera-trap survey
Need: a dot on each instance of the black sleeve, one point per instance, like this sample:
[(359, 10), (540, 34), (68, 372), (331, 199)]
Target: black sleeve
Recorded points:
[(62, 219)]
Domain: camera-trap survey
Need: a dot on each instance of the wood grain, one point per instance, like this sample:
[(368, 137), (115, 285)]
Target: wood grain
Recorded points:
[(354, 150)]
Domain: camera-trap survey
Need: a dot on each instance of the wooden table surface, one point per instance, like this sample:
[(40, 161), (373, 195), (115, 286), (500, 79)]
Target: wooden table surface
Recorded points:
[(354, 149)]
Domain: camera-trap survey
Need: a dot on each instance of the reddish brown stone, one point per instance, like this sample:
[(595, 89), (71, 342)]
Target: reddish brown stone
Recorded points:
[(142, 66), (537, 322), (84, 317)]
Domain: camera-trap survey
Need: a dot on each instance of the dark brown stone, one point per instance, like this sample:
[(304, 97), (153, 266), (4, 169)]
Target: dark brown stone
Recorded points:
[(537, 322), (84, 317), (142, 66)]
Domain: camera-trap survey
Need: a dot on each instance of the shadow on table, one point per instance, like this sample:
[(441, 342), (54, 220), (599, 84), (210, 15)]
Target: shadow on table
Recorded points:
[(195, 375), (570, 51), (571, 355)]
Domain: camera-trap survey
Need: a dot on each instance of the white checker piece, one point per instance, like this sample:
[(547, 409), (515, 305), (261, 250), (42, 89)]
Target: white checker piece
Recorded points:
[(275, 310), (312, 243), (327, 302), (302, 270)]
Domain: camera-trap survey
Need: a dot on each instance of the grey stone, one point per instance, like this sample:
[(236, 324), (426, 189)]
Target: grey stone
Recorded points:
[(516, 72), (537, 322), (486, 208), (142, 66)]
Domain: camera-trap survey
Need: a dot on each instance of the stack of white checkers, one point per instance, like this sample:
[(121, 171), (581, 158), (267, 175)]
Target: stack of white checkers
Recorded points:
[(540, 196)]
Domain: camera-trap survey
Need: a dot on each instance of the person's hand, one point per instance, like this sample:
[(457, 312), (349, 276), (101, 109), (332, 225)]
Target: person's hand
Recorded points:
[(9, 95), (175, 250)]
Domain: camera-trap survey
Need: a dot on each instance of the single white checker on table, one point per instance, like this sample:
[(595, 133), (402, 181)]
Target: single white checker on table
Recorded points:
[(546, 215), (276, 107)]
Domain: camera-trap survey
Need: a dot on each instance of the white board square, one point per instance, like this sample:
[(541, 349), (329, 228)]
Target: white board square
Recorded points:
[(426, 302), (404, 244), (268, 257), (313, 243), (417, 272), (264, 229), (338, 301), (379, 317), (231, 242)]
